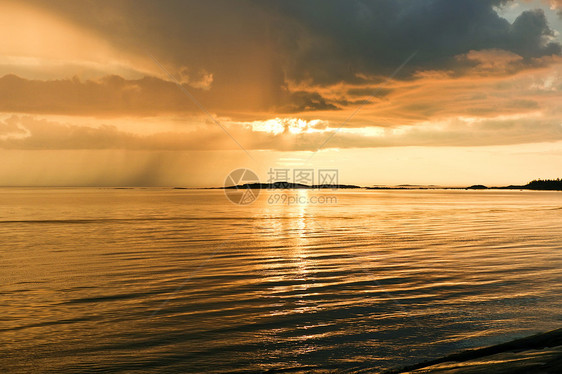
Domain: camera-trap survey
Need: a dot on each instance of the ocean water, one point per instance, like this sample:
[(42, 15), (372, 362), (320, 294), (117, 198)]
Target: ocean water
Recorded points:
[(163, 280)]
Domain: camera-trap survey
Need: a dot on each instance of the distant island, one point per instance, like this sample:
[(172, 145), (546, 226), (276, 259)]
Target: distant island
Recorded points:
[(477, 187), (291, 186), (536, 185)]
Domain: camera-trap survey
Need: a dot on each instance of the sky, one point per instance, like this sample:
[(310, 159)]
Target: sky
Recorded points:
[(180, 93)]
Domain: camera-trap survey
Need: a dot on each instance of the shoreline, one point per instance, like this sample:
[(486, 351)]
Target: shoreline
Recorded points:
[(539, 353)]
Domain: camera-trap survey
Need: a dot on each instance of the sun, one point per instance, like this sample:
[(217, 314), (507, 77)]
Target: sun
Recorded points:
[(288, 126)]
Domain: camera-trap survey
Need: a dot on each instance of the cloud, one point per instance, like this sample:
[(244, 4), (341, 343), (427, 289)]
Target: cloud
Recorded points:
[(265, 57), (11, 129), (280, 134), (257, 60), (116, 96), (556, 4), (198, 79), (267, 43), (107, 96), (303, 101), (332, 41), (42, 44), (369, 91), (493, 60)]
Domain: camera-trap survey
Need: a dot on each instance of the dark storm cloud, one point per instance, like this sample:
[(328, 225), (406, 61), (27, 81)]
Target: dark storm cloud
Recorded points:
[(333, 40), (302, 101), (252, 42), (279, 57)]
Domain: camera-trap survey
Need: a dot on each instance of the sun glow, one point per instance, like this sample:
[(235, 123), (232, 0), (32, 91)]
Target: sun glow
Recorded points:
[(288, 125)]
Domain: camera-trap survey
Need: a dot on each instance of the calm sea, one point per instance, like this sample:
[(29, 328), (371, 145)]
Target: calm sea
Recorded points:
[(162, 280)]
